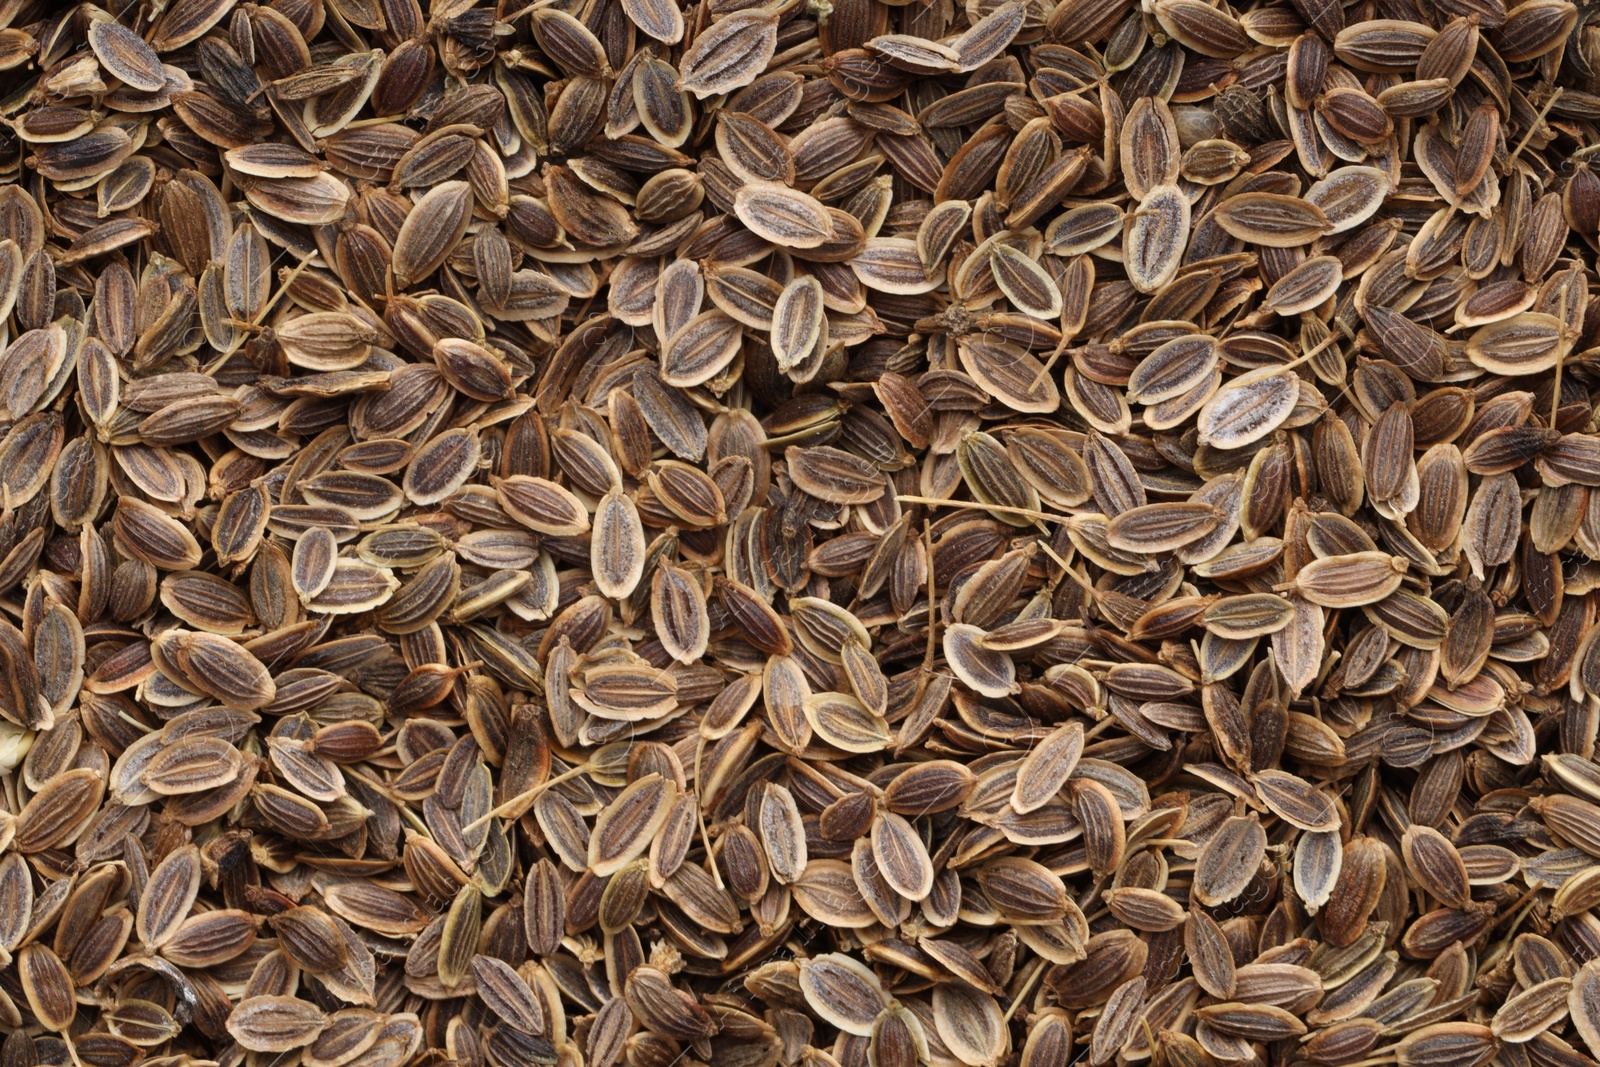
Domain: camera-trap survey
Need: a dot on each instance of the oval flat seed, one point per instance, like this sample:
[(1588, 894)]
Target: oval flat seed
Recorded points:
[(1033, 485)]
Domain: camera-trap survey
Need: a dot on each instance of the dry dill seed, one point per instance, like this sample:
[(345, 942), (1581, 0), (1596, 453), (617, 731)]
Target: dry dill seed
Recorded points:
[(637, 534)]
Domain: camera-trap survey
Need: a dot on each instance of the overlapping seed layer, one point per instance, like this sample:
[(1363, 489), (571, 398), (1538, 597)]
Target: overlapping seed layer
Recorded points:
[(827, 534)]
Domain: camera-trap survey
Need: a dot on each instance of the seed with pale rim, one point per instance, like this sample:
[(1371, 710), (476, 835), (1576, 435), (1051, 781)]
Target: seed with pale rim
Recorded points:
[(900, 534)]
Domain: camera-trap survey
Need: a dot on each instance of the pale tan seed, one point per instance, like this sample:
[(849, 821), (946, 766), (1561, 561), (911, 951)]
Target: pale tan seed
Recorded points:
[(211, 938), (782, 834), (833, 475), (1261, 1022), (983, 670), (701, 349), (1319, 858), (542, 505), (827, 891), (275, 1023), (1210, 956), (1450, 1042), (1350, 580), (1026, 284), (58, 810), (1011, 374), (1248, 408), (678, 608), (1047, 768), (48, 986), (660, 20), (126, 55), (1533, 1011), (1296, 801), (1248, 615), (1522, 344), (993, 479), (969, 1022), (730, 55), (1024, 889), (226, 670), (1490, 531), (617, 545), (1229, 860), (507, 995), (431, 230), (1272, 220), (1163, 527), (782, 215), (1582, 1002), (842, 991), (845, 723), (747, 295), (1155, 237), (626, 827), (1436, 865), (893, 265), (458, 938), (799, 323), (316, 201)]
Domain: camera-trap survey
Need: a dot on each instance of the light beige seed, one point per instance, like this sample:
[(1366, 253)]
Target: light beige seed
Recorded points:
[(782, 834), (507, 995), (1583, 1002), (843, 991), (1026, 284), (893, 265), (433, 227), (678, 609), (1533, 1011), (799, 323), (1350, 580), (701, 349), (1248, 615), (1296, 801), (969, 1023), (126, 55), (784, 216), (657, 18), (845, 723), (627, 826), (316, 201), (1272, 220), (275, 1023), (1229, 860), (617, 545), (1248, 408), (542, 505), (1163, 527), (1319, 858), (834, 475), (225, 670), (730, 55), (48, 986), (1155, 238), (1522, 344), (1047, 768)]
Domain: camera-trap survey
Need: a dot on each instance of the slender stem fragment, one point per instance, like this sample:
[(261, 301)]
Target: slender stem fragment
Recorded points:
[(1029, 512), (1026, 987), (519, 804), (700, 815)]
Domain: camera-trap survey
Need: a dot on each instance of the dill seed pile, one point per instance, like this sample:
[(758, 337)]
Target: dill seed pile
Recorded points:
[(640, 533)]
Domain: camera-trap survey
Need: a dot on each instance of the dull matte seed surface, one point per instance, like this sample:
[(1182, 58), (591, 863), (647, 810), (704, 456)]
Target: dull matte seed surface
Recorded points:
[(843, 534)]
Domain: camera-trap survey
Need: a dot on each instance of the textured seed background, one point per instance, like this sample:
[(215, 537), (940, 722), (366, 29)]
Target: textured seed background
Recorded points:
[(826, 534)]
